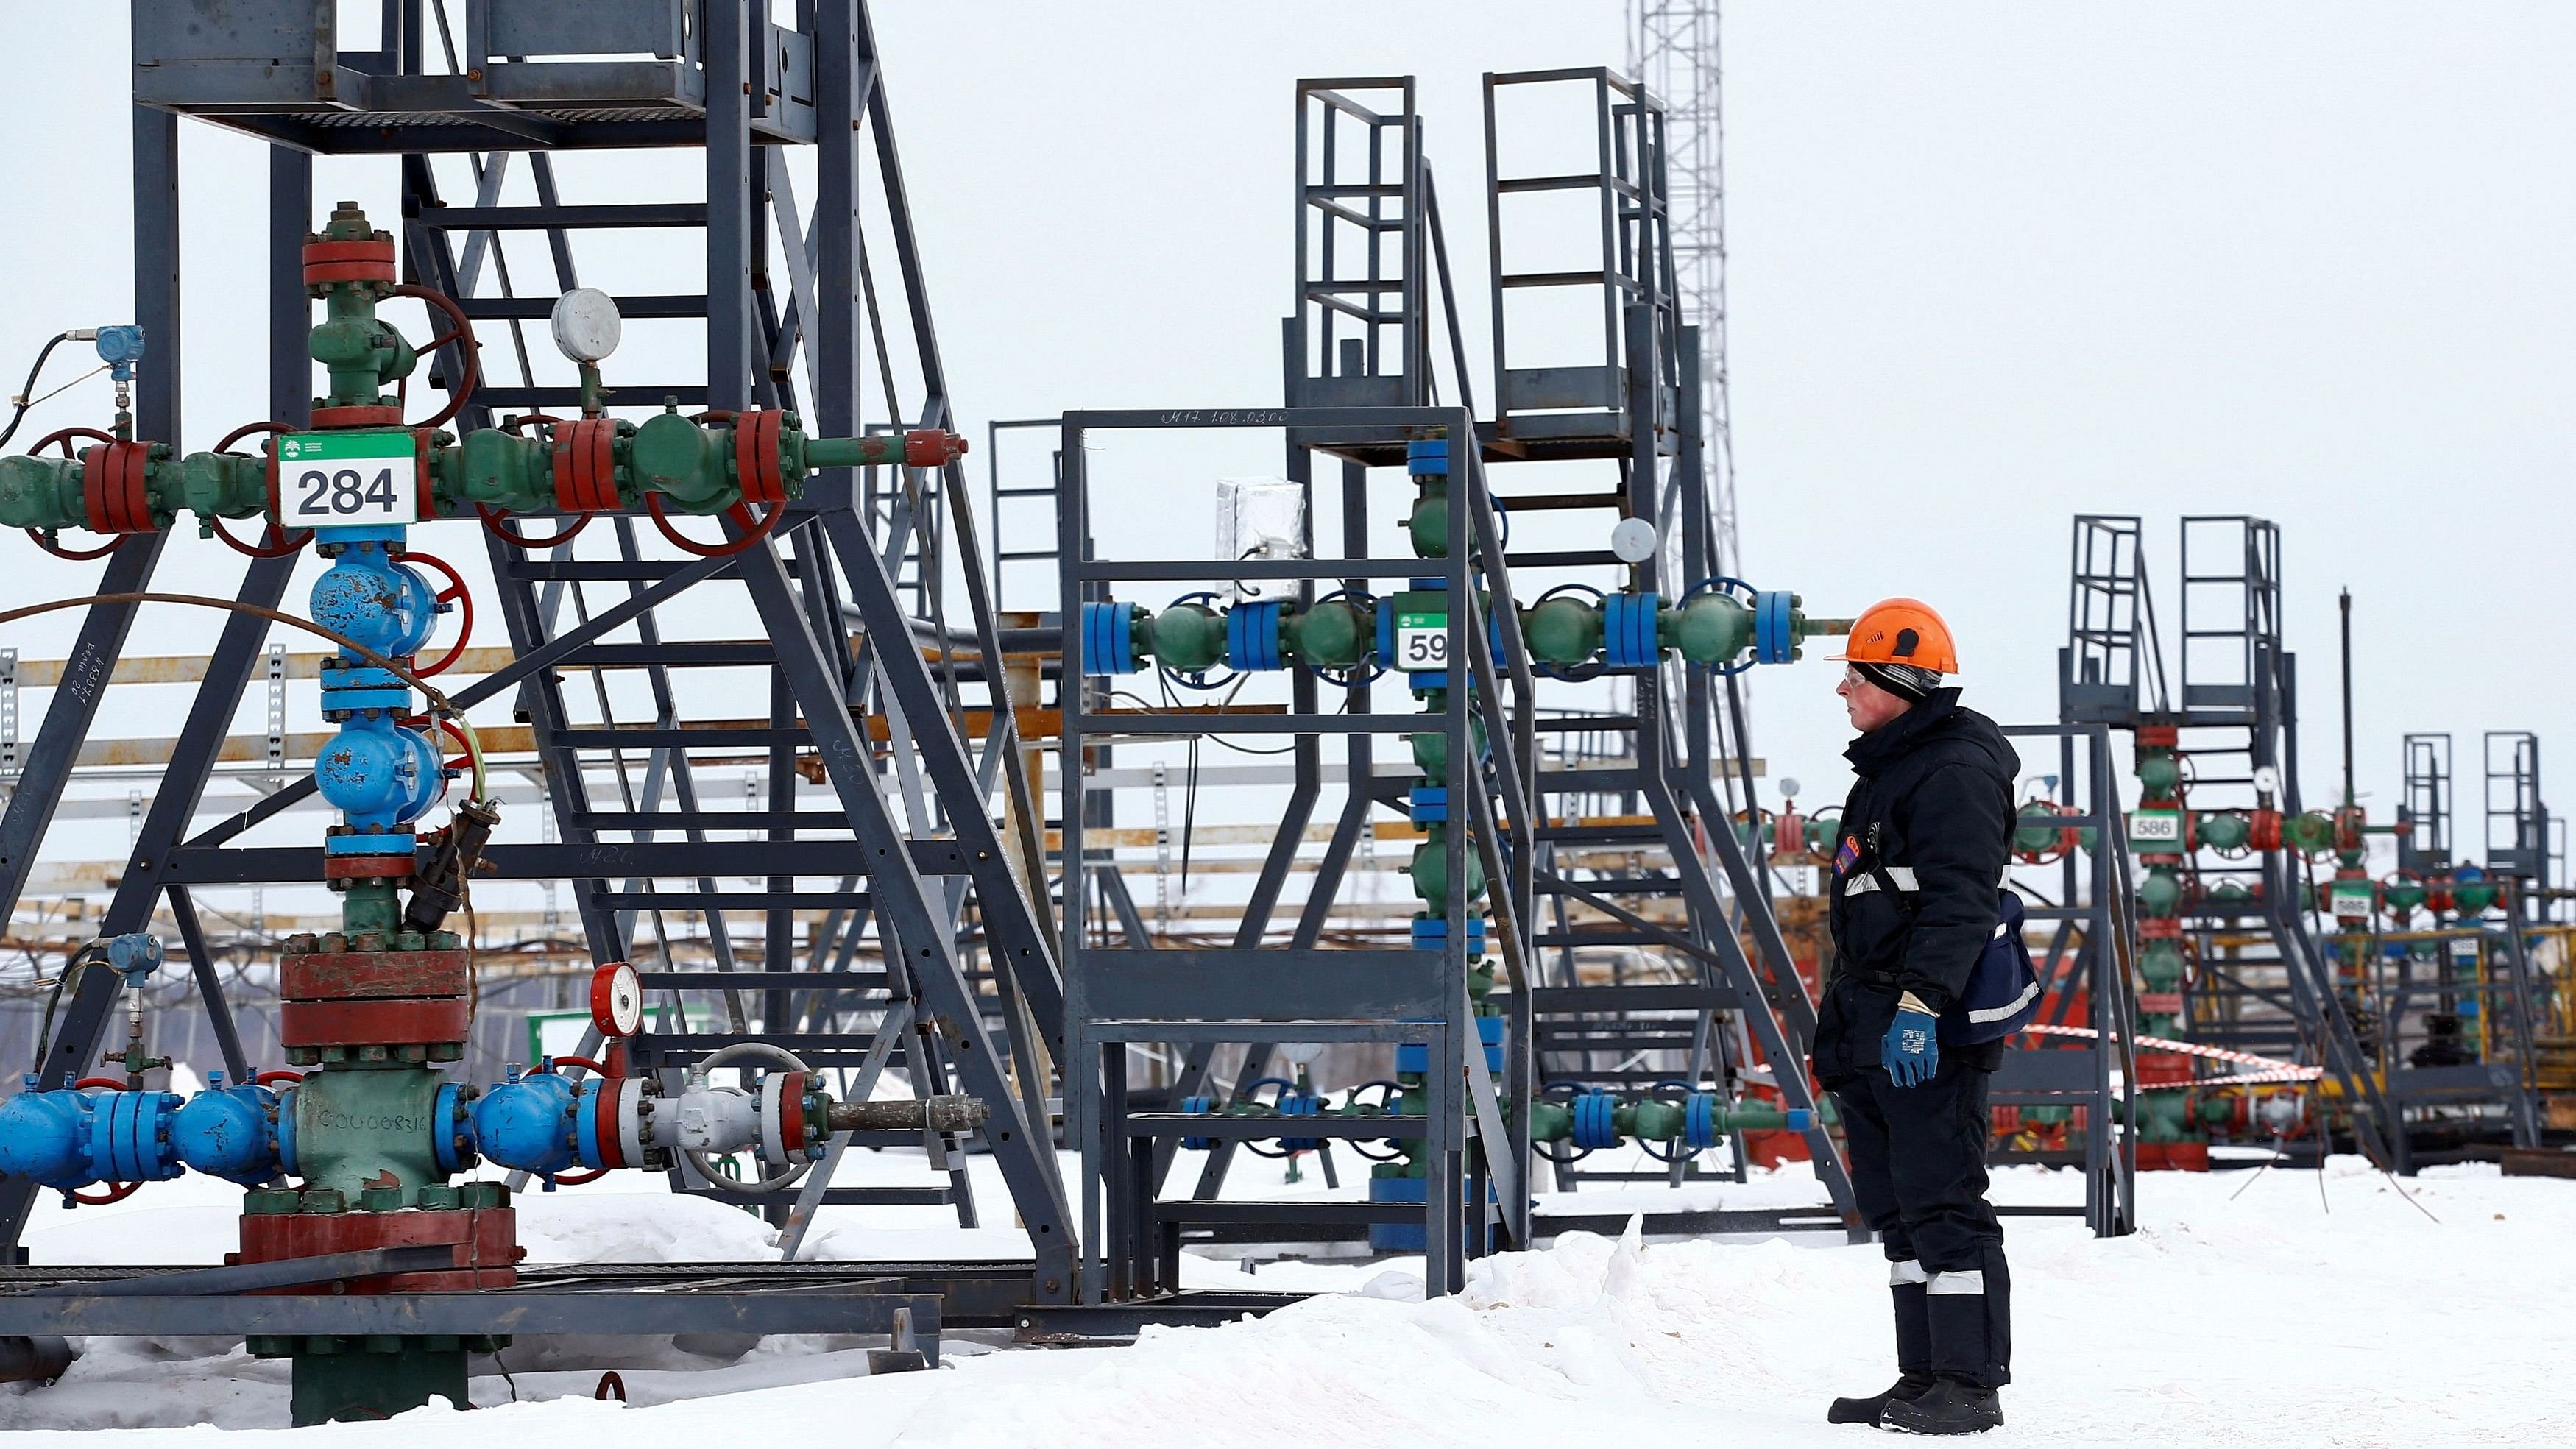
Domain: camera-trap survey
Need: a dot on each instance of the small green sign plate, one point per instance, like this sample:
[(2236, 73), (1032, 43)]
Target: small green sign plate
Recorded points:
[(2155, 832), (344, 480), (1421, 641)]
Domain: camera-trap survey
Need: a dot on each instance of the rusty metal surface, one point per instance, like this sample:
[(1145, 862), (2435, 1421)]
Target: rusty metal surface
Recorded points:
[(483, 1243), (321, 976), (372, 1023)]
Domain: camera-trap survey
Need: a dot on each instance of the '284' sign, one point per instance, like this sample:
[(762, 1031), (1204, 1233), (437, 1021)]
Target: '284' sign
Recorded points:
[(337, 480)]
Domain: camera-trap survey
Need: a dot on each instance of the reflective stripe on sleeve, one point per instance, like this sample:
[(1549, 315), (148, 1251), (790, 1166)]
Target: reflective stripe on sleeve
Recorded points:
[(2004, 1012), (1862, 883)]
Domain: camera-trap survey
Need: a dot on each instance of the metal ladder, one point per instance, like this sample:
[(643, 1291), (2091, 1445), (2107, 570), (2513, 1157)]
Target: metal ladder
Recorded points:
[(923, 1010)]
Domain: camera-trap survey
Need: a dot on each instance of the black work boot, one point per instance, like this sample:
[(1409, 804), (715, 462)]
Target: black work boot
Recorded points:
[(1870, 1410), (1950, 1406), (1905, 1282)]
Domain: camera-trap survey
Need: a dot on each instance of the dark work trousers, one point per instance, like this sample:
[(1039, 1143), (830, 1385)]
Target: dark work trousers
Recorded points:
[(1918, 1168)]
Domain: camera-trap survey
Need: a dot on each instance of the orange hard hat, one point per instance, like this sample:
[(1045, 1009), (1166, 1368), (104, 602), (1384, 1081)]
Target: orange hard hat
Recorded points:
[(1901, 631)]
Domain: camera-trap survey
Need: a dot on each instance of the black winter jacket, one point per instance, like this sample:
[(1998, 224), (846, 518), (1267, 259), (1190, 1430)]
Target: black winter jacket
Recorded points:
[(1933, 806)]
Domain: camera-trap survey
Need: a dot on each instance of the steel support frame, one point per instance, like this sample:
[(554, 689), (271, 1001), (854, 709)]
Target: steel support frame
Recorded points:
[(785, 595), (816, 677), (1662, 459), (2107, 916), (87, 1016), (1338, 198), (2112, 673), (1257, 997)]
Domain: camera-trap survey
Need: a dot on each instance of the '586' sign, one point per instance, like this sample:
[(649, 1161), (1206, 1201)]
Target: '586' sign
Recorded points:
[(336, 480)]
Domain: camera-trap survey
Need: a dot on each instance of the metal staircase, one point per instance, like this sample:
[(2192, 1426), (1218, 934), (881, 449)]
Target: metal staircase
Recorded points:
[(922, 953), (1374, 290), (2257, 980)]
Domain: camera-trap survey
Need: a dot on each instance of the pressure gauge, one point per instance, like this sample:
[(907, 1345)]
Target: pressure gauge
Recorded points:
[(1789, 789), (586, 324), (617, 1000), (1633, 540), (2267, 780)]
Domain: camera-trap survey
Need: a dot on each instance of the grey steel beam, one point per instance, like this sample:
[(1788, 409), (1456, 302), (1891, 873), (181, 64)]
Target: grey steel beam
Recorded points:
[(195, 864), (1019, 938), (254, 1277), (210, 986), (85, 1020), (68, 717), (727, 56), (129, 570), (904, 903), (756, 1310)]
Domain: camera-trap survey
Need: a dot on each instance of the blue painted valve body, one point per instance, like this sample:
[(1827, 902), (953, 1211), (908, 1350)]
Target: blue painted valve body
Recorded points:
[(71, 1138), (382, 775), (529, 1122), (232, 1132)]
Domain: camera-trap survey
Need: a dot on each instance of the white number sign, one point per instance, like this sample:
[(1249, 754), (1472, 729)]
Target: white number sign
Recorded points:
[(1421, 641), (337, 480), (2161, 825)]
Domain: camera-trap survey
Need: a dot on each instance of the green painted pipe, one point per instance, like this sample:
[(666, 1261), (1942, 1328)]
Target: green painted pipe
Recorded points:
[(2164, 1117), (1335, 634), (1654, 1119), (1431, 872), (1186, 637), (2035, 831), (2160, 966), (670, 455), (2222, 829), (42, 493), (2160, 894), (876, 450), (355, 1124), (1707, 629), (1428, 524), (45, 493), (689, 464), (363, 354), (2309, 832), (1431, 747), (1562, 631)]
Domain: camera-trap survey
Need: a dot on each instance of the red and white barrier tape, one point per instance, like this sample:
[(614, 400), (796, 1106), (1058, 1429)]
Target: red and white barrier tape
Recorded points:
[(2249, 1079), (2267, 1069)]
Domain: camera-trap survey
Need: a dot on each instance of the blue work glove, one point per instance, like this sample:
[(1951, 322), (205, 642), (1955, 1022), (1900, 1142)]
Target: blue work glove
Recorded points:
[(1911, 1050)]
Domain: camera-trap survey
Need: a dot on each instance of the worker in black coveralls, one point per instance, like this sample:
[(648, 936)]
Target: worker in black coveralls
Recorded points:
[(1921, 849)]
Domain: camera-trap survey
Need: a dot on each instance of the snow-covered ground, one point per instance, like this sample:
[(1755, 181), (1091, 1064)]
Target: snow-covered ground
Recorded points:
[(2279, 1310)]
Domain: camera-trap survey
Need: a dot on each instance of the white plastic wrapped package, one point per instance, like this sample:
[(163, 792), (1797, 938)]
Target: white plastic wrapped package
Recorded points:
[(1260, 518)]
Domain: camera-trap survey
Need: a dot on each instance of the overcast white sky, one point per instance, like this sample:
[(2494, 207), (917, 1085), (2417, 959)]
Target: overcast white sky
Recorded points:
[(1992, 265)]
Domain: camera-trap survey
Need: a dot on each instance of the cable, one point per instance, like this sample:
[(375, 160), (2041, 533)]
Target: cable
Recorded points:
[(45, 1029), (504, 1370), (437, 701), (67, 387), (25, 392)]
